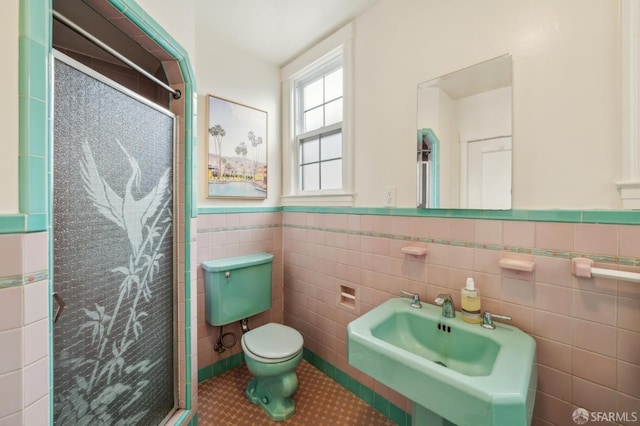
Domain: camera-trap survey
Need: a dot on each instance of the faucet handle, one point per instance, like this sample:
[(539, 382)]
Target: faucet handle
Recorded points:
[(487, 319), (415, 303)]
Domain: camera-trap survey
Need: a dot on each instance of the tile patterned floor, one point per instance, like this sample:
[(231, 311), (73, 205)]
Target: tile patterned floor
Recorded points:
[(319, 401)]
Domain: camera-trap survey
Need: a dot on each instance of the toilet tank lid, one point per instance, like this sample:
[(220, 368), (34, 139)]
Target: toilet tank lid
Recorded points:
[(228, 264)]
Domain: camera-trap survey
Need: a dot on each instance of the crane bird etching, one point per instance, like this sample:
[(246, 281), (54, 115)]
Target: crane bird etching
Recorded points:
[(128, 213)]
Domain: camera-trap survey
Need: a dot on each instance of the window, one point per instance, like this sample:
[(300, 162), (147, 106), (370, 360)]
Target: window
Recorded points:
[(317, 144), (319, 131)]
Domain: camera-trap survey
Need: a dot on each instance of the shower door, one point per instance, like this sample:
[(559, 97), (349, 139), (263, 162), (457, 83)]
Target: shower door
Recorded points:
[(113, 343)]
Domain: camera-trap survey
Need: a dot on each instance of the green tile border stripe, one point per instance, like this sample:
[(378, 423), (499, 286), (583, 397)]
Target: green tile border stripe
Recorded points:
[(237, 228), (614, 217), (368, 395), (26, 279), (618, 260), (227, 210)]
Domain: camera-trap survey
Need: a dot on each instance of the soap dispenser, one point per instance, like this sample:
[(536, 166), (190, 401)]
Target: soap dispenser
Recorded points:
[(470, 303)]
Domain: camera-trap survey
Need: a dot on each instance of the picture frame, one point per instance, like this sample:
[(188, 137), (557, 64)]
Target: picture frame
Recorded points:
[(237, 150)]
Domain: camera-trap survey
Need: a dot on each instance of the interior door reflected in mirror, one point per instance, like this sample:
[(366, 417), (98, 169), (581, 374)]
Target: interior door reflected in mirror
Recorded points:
[(464, 138)]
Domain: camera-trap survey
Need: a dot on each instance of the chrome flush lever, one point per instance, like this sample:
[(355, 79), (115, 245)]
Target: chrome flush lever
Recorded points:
[(61, 306)]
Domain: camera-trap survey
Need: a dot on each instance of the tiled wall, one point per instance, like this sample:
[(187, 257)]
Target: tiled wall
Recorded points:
[(587, 330), (229, 235), (24, 329)]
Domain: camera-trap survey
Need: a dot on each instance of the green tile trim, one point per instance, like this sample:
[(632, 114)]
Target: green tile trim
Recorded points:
[(220, 367), (227, 210), (613, 217), (34, 47), (13, 223), (237, 228)]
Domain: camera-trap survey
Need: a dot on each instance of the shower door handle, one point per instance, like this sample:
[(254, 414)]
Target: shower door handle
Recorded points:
[(61, 306)]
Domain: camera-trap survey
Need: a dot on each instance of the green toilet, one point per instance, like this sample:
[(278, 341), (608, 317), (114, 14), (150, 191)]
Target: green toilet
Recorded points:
[(235, 289)]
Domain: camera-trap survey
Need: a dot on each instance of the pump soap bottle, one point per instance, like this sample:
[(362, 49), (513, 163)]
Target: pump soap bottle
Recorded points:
[(470, 301)]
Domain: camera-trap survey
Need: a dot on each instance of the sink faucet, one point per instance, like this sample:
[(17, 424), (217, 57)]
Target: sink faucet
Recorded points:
[(448, 309), (415, 302)]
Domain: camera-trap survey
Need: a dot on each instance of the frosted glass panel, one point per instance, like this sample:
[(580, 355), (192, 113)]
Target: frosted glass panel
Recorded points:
[(331, 146), (113, 350), (333, 112), (333, 85), (313, 119), (310, 177), (310, 150), (331, 174), (313, 95)]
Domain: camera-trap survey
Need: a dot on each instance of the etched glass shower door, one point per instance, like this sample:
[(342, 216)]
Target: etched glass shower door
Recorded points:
[(113, 343)]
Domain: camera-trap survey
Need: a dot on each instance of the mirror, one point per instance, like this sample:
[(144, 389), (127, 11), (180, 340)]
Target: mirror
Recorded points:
[(464, 138)]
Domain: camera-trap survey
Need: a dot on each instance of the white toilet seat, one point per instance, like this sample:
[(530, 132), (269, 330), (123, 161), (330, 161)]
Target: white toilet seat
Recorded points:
[(272, 343)]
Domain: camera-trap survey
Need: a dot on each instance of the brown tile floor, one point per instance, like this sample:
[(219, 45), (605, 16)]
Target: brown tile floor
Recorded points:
[(319, 401)]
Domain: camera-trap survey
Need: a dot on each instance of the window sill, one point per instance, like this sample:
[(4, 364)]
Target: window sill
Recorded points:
[(318, 199)]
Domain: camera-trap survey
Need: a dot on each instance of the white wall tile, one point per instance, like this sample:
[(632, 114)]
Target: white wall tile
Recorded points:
[(10, 393), (37, 414), (36, 252)]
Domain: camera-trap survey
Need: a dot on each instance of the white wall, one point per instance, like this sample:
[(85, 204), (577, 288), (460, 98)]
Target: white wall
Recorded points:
[(565, 81), (9, 108), (226, 72)]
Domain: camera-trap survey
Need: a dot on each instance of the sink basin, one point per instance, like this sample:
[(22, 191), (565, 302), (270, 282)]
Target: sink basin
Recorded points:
[(458, 371)]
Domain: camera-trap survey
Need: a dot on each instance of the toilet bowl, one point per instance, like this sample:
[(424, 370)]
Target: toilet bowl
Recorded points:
[(272, 353)]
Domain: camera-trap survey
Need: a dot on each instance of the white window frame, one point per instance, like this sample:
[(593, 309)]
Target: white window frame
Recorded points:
[(337, 48)]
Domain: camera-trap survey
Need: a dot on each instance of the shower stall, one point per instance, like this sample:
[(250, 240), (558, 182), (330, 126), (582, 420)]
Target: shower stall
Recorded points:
[(113, 252)]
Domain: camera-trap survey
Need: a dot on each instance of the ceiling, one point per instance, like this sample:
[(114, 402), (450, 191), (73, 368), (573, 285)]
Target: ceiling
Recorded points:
[(276, 31)]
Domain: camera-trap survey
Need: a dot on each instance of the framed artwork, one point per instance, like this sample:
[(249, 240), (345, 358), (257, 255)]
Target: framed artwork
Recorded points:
[(236, 150)]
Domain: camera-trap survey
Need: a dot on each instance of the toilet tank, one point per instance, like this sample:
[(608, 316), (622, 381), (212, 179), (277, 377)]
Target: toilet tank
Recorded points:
[(237, 287)]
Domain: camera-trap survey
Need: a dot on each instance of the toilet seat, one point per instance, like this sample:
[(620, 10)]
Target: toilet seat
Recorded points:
[(272, 343)]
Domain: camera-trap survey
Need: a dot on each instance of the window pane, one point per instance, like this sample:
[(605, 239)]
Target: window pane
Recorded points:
[(331, 174), (313, 119), (310, 177), (333, 112), (309, 150), (313, 94), (331, 146), (333, 85)]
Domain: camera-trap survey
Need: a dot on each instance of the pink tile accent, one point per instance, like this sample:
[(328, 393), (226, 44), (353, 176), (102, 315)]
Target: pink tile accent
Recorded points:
[(552, 326), (629, 237), (600, 308), (518, 291), (487, 261), (461, 257), (553, 271), (594, 337), (554, 382), (593, 397), (553, 298), (629, 313), (519, 234), (628, 404), (463, 230), (553, 409), (11, 251), (629, 378), (554, 354), (554, 236), (440, 228), (593, 367), (488, 231), (591, 238), (629, 346)]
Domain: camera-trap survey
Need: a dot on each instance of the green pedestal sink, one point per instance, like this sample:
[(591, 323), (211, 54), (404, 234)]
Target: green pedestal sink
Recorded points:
[(459, 372)]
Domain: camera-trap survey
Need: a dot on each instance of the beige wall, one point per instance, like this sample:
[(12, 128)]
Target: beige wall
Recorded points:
[(566, 66)]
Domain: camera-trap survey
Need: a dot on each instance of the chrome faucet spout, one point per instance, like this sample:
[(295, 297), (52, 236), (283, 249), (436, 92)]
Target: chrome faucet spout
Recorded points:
[(448, 309)]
